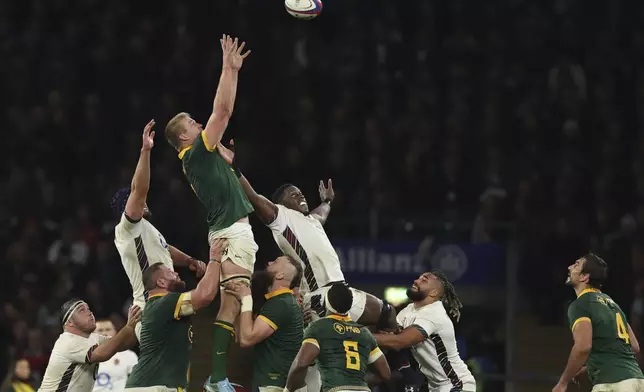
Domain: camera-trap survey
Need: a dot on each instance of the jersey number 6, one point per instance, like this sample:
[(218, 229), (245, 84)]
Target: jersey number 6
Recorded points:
[(353, 357), (622, 332)]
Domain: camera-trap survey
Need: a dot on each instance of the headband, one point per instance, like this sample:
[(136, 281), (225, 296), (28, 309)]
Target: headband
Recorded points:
[(328, 305), (71, 310)]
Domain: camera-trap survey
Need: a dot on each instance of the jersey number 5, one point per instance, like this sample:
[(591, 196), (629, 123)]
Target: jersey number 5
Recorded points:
[(622, 332), (353, 357)]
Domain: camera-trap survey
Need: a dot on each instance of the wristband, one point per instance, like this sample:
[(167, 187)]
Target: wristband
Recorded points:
[(247, 304), (327, 201), (214, 261)]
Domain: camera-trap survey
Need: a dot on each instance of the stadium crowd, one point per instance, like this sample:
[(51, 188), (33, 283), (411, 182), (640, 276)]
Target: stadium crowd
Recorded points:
[(452, 112)]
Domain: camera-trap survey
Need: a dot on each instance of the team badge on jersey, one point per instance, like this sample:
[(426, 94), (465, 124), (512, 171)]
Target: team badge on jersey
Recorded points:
[(162, 241)]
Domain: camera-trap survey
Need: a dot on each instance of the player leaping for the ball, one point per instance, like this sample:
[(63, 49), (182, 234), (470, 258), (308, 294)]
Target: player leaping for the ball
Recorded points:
[(138, 242), (299, 233), (215, 184)]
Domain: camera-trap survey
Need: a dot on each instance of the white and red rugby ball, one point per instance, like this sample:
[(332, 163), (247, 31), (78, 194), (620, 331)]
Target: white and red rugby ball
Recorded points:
[(303, 9)]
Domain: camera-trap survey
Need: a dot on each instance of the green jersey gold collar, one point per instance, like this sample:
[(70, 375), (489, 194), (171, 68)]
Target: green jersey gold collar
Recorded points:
[(588, 291), (184, 151), (277, 292)]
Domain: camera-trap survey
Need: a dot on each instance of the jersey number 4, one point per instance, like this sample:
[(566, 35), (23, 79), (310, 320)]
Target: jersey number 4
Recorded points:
[(353, 357), (622, 332)]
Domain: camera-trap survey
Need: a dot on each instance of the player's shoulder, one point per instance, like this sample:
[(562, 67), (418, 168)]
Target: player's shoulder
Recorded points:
[(67, 341), (96, 338)]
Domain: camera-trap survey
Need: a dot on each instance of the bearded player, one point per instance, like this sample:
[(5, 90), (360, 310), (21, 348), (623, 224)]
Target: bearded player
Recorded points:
[(604, 343), (166, 336), (136, 239), (215, 184), (113, 374), (427, 327)]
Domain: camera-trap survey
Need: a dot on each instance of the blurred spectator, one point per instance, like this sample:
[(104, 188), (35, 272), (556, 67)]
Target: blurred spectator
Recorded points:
[(18, 378)]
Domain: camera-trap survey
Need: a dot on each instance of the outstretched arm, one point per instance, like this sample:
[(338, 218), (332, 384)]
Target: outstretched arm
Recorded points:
[(308, 352), (407, 338), (327, 195), (123, 340), (266, 209), (224, 101), (135, 206), (208, 286), (180, 259)]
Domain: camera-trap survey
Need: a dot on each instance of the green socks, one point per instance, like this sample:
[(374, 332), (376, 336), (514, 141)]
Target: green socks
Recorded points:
[(222, 335)]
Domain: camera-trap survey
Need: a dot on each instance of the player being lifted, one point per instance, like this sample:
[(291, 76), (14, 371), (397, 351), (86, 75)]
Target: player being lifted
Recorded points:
[(427, 329), (216, 185), (342, 348), (166, 336), (136, 239), (603, 340)]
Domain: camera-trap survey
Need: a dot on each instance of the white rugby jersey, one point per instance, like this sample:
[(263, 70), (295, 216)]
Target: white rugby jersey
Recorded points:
[(437, 355), (140, 244), (69, 368), (303, 238), (112, 375)]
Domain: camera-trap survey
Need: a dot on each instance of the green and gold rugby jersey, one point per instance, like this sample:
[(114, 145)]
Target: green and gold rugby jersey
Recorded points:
[(346, 348), (215, 183), (611, 357), (274, 356), (166, 342)]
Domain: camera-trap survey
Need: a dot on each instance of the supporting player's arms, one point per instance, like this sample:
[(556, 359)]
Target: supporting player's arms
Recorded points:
[(408, 337), (378, 361), (250, 332), (583, 336), (635, 345), (208, 286), (297, 374), (327, 195), (224, 101), (135, 205), (125, 339)]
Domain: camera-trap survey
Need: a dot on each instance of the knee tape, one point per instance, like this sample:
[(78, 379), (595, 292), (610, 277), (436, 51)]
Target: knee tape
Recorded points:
[(243, 279)]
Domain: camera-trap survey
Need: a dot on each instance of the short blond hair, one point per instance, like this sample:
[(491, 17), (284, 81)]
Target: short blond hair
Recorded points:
[(174, 129)]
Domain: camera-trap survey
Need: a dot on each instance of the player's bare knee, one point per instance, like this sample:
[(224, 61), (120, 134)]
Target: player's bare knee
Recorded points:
[(229, 309)]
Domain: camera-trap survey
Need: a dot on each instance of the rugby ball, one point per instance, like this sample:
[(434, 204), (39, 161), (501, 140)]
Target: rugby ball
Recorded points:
[(303, 9)]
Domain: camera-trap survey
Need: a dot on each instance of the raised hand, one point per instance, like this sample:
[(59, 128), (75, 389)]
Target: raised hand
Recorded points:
[(148, 136), (326, 192), (227, 153), (198, 267), (232, 52)]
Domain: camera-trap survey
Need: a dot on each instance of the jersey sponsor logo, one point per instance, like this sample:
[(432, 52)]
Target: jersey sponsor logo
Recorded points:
[(341, 329), (451, 260)]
